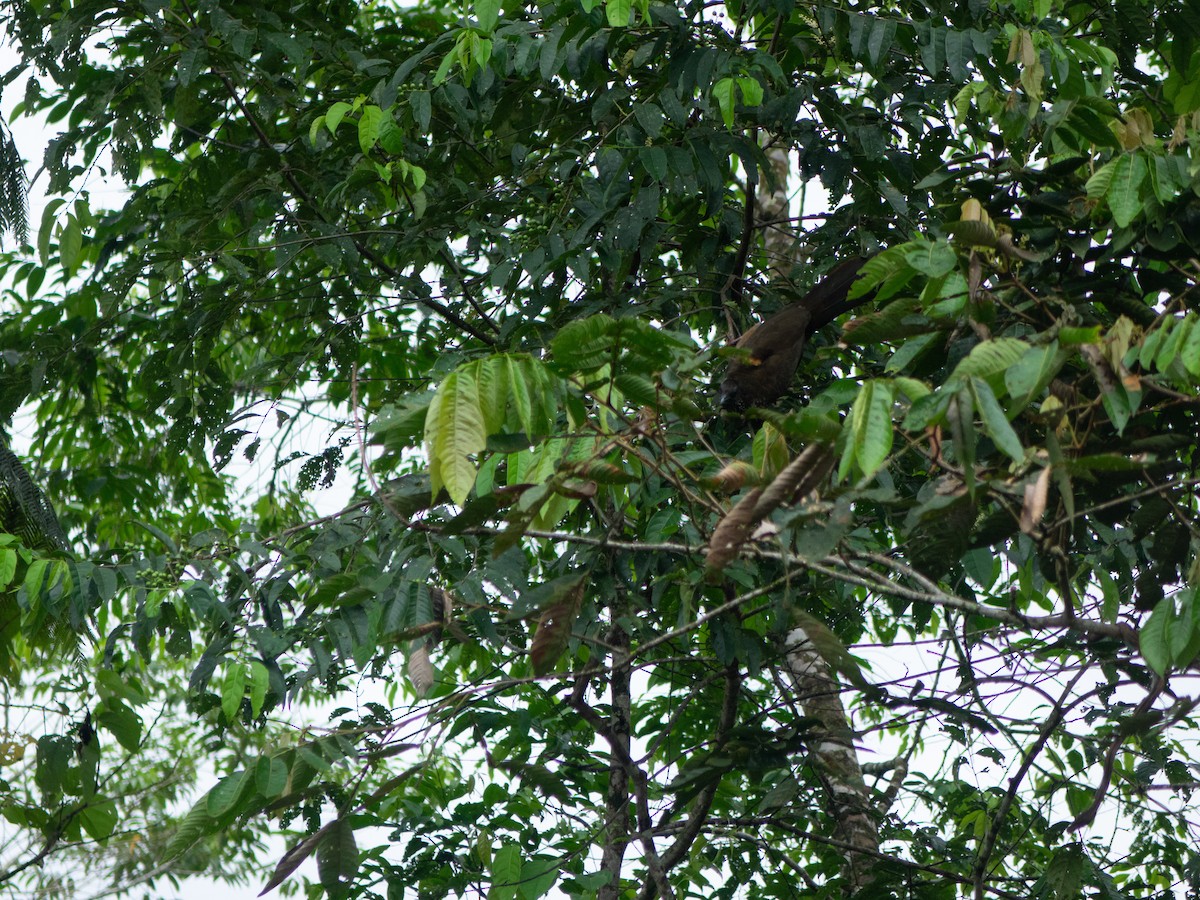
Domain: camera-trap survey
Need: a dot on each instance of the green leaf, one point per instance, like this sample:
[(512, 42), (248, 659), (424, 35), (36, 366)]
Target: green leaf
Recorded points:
[(1030, 375), (992, 358), (995, 422), (870, 428), (370, 122), (317, 124), (46, 231), (228, 794), (334, 117), (723, 93), (260, 680), (337, 856), (8, 566), (751, 90), (233, 689), (1153, 637), (122, 723), (99, 819), (454, 431), (487, 12), (1124, 193), (70, 244), (270, 776), (195, 825), (618, 12), (506, 873)]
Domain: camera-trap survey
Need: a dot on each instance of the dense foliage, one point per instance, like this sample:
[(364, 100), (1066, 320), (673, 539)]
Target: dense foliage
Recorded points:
[(925, 629)]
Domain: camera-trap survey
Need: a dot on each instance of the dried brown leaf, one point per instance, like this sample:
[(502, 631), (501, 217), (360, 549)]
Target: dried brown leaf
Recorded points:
[(1034, 506), (554, 630), (420, 670), (731, 532)]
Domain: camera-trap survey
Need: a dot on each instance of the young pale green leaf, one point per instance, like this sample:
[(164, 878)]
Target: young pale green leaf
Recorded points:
[(454, 431), (492, 376), (1153, 637), (724, 92), (260, 680), (233, 688), (751, 90), (370, 122), (334, 117), (618, 12), (770, 450)]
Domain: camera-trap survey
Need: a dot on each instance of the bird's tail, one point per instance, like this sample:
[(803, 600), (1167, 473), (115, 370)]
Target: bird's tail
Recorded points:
[(828, 299)]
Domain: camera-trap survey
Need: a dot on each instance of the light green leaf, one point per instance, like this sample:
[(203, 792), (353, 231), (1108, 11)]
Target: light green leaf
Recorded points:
[(751, 90), (1098, 184), (723, 92), (233, 688), (314, 129), (454, 430), (369, 124), (260, 680), (8, 566), (1152, 639), (492, 377), (618, 12), (443, 69), (334, 117), (70, 244), (519, 391)]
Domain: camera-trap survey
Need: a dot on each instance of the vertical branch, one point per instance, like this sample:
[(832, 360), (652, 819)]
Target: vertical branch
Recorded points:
[(834, 756), (771, 212), (617, 805), (818, 693)]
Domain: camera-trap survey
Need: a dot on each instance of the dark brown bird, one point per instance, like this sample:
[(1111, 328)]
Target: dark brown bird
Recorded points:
[(775, 345)]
